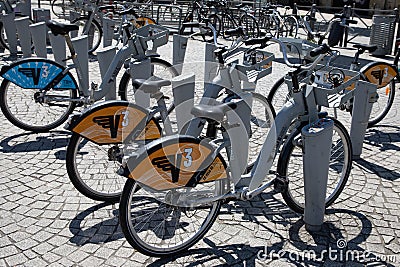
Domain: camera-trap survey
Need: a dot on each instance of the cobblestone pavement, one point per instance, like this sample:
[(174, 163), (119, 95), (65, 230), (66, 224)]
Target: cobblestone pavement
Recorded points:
[(44, 221)]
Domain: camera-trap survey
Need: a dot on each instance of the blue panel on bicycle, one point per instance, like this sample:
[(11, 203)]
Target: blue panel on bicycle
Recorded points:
[(32, 73), (66, 83)]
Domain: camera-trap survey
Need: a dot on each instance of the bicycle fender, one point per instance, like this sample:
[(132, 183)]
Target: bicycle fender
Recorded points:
[(176, 162), (379, 73), (114, 122), (38, 73)]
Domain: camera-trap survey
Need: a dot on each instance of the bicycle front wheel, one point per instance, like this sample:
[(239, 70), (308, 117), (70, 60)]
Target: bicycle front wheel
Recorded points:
[(290, 165), (92, 169), (157, 229), (250, 26), (23, 108), (290, 27), (94, 32)]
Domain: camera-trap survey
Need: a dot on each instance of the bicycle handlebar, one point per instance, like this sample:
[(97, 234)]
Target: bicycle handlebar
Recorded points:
[(323, 49)]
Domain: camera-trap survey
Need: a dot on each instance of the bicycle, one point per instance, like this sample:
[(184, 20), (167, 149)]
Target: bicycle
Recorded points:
[(184, 179), (94, 157), (38, 94), (380, 73), (276, 24)]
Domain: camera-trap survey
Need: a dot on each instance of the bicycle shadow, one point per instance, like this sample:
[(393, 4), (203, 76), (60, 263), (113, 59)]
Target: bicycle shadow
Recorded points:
[(107, 230), (308, 254), (383, 140), (31, 142)]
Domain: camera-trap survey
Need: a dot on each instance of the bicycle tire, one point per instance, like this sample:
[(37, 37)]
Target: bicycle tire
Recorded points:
[(153, 214), (290, 27), (262, 116), (167, 72), (279, 94), (61, 10), (38, 119), (98, 182), (386, 97), (227, 24), (94, 38), (291, 156), (250, 25)]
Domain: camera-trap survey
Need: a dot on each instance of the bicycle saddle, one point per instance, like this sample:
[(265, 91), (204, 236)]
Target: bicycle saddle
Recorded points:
[(150, 86), (61, 28), (216, 113), (363, 47)]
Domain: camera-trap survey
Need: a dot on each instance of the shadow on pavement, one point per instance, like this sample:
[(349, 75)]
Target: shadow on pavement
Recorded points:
[(28, 142)]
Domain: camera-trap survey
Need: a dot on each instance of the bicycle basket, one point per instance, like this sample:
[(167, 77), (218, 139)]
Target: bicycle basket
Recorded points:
[(255, 66), (329, 96), (298, 48)]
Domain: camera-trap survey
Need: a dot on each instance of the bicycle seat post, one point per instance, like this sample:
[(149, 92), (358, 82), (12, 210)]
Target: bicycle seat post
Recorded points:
[(70, 46)]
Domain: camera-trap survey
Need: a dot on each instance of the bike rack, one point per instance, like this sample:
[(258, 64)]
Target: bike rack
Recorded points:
[(141, 70), (81, 48), (58, 48), (210, 70), (72, 16), (38, 33), (364, 97), (24, 7), (239, 150), (105, 57), (8, 19), (183, 91), (108, 31), (178, 52), (22, 26), (316, 141)]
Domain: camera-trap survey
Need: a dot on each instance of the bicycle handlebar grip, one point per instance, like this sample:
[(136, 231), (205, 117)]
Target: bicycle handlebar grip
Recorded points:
[(102, 8), (324, 48), (255, 41), (235, 32)]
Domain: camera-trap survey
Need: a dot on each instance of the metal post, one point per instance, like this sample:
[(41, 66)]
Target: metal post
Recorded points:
[(105, 56), (210, 69), (11, 32), (58, 48), (183, 91), (38, 33), (81, 48), (239, 149), (22, 25), (73, 15), (108, 31), (317, 141), (364, 97), (24, 7), (179, 51), (141, 70)]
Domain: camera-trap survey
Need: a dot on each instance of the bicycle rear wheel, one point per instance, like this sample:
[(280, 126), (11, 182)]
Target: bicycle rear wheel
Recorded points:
[(157, 229), (385, 100), (227, 24), (92, 168), (290, 27), (290, 165), (21, 108), (95, 32)]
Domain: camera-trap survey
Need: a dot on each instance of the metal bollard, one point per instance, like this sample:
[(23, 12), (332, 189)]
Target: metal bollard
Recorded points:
[(179, 51), (73, 15), (22, 25), (38, 33), (317, 141), (58, 48), (240, 120), (108, 31), (210, 67), (81, 48), (183, 91), (24, 7), (364, 97), (141, 70), (11, 32), (105, 56)]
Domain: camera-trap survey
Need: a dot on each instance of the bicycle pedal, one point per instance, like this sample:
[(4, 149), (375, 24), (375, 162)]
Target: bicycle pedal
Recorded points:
[(281, 184)]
